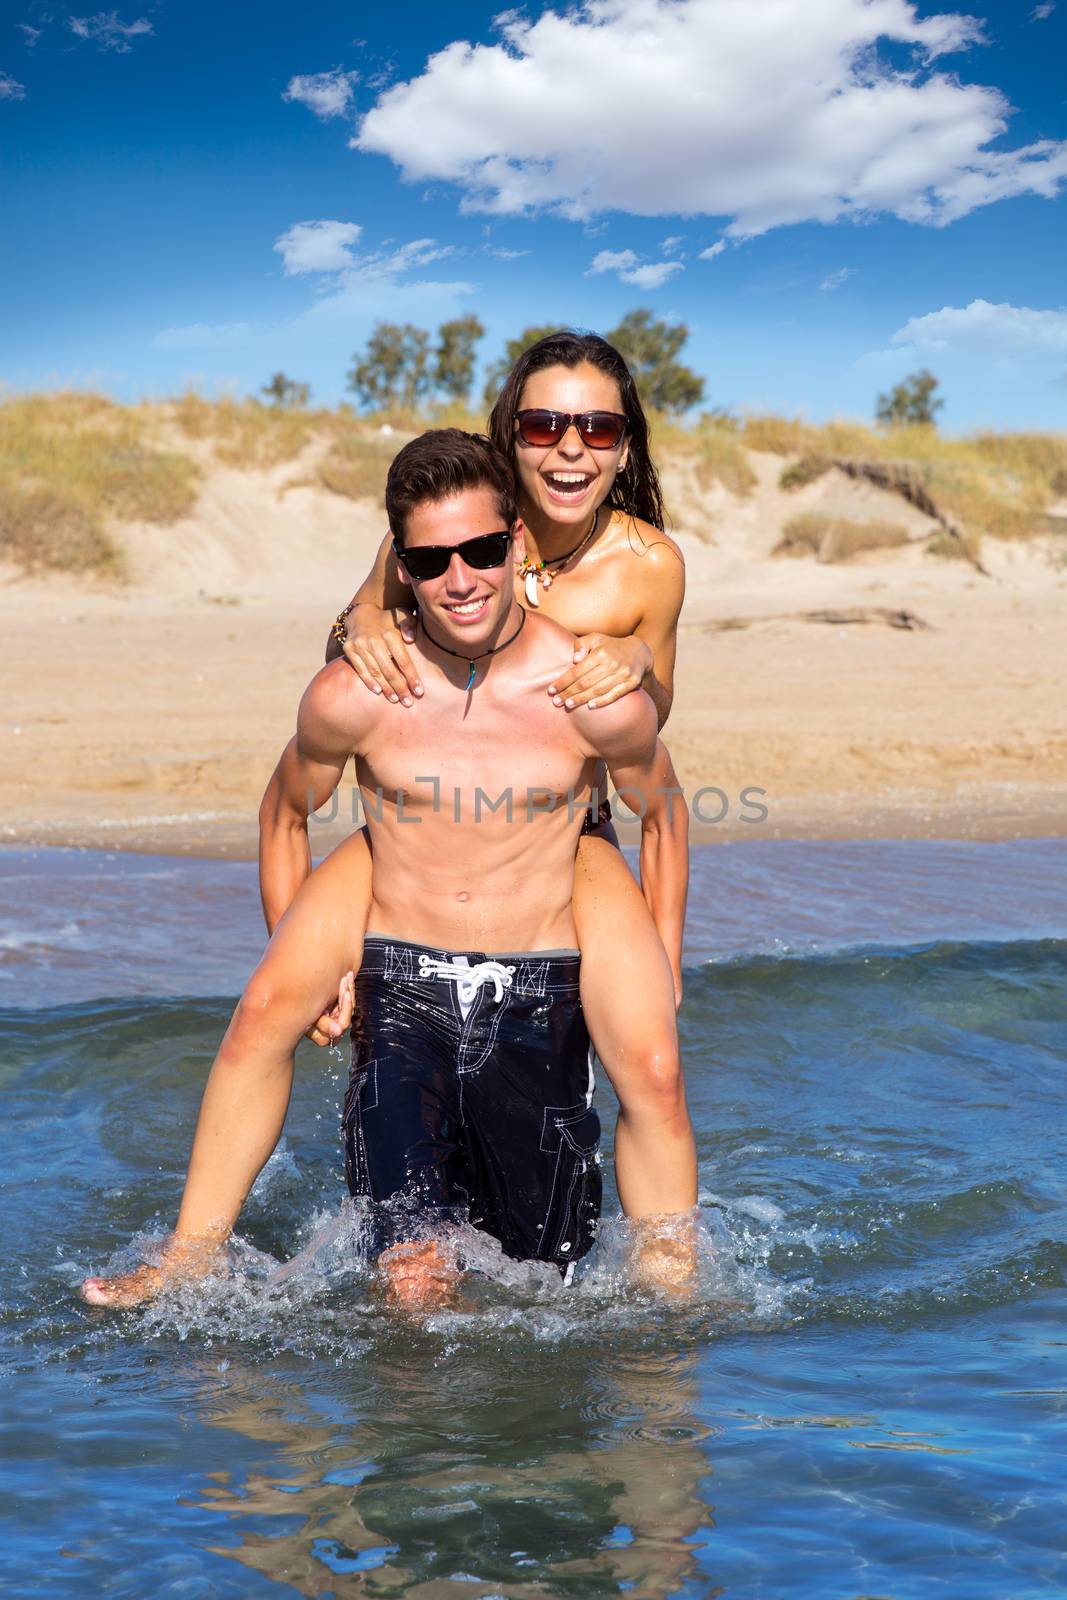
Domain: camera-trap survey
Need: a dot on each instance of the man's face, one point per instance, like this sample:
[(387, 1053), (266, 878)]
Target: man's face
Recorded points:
[(466, 604)]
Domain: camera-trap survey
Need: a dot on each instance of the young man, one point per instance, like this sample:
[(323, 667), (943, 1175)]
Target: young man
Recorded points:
[(471, 1091)]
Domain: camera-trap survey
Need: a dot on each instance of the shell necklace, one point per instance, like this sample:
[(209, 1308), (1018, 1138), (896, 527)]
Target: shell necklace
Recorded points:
[(472, 660), (534, 573)]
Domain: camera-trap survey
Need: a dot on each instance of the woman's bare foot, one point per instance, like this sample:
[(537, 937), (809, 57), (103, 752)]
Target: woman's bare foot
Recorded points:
[(131, 1289), (187, 1259)]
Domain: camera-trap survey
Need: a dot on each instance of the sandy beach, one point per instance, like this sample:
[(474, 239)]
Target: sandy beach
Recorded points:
[(892, 695)]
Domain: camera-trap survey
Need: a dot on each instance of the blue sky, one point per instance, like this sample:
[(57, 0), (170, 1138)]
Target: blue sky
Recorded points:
[(829, 193)]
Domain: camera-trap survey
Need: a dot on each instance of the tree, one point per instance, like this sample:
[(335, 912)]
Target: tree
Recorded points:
[(649, 348), (285, 394), (910, 402), (494, 378), (454, 364), (394, 369)]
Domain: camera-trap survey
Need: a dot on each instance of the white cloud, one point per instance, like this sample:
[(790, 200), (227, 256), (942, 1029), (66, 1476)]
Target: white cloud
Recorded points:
[(29, 33), (327, 94), (712, 251), (627, 265), (388, 264), (743, 115), (612, 261), (106, 30), (10, 88), (672, 245), (652, 276), (328, 247), (834, 280), (502, 253), (317, 246), (1039, 13), (1004, 329)]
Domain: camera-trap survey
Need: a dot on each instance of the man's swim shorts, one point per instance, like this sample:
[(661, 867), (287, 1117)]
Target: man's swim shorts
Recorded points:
[(471, 1094)]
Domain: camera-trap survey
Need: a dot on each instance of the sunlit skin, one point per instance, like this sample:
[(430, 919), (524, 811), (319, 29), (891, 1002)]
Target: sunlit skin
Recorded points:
[(620, 600), (448, 876)]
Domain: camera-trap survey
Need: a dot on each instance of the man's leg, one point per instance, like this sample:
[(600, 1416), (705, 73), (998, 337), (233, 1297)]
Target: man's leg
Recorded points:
[(246, 1097), (402, 1119), (628, 999)]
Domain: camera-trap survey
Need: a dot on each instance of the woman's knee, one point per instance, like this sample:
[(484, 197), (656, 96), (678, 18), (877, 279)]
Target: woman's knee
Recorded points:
[(649, 1071), (268, 1006)]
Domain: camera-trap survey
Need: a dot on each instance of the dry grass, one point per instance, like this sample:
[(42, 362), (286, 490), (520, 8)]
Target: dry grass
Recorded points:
[(780, 436), (712, 445), (806, 470), (995, 484), (70, 462), (357, 462), (244, 433), (836, 539), (720, 457)]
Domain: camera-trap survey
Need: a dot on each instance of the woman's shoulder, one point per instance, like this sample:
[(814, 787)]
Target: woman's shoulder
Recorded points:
[(634, 539)]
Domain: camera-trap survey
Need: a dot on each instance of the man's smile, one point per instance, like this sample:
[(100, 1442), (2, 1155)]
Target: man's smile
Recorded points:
[(467, 610)]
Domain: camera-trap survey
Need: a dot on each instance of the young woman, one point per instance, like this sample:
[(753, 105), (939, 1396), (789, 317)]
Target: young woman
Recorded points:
[(599, 563)]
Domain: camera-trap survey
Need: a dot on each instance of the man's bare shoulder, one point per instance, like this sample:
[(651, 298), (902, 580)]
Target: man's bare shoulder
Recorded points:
[(624, 730), (337, 708), (548, 638)]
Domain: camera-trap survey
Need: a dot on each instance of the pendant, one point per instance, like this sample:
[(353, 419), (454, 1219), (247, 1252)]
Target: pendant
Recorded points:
[(470, 676), (530, 585)]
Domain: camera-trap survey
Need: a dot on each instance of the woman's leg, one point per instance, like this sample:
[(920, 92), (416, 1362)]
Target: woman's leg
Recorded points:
[(348, 875), (628, 999), (314, 949)]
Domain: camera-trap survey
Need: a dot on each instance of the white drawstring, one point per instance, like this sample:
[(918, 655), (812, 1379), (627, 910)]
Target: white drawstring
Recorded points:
[(468, 980)]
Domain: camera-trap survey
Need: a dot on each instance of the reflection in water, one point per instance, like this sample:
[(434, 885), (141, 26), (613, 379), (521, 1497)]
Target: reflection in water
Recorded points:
[(474, 1470)]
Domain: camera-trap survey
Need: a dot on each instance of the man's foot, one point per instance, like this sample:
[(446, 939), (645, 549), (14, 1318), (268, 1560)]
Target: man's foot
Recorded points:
[(665, 1258), (421, 1276)]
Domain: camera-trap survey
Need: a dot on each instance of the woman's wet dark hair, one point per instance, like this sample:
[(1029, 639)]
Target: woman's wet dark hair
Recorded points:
[(635, 491)]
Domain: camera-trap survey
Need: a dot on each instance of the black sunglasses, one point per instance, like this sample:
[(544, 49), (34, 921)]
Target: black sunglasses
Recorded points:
[(485, 550), (600, 430)]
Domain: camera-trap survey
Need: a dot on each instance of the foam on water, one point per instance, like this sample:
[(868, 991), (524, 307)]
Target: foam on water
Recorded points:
[(327, 1299)]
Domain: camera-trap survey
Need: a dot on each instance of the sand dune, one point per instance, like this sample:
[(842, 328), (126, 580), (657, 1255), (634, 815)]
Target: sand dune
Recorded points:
[(149, 716)]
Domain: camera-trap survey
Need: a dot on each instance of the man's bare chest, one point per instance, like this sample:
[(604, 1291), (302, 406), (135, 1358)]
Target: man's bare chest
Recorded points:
[(434, 755)]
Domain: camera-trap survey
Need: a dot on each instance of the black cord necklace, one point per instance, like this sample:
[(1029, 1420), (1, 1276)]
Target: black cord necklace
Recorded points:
[(533, 572), (471, 660)]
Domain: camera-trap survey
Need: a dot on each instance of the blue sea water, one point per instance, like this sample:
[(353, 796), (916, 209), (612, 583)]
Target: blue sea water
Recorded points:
[(865, 1398)]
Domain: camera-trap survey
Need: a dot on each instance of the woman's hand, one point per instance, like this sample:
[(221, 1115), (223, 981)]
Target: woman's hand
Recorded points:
[(603, 670), (333, 1024), (375, 647)]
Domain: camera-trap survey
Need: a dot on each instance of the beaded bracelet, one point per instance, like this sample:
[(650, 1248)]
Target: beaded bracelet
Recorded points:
[(340, 625)]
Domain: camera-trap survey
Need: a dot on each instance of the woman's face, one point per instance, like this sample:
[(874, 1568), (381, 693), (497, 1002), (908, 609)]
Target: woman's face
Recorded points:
[(566, 482)]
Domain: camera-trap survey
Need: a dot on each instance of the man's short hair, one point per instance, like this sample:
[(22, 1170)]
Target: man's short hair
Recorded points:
[(442, 463)]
